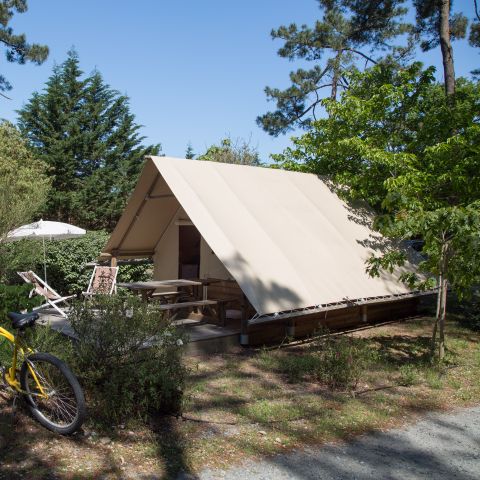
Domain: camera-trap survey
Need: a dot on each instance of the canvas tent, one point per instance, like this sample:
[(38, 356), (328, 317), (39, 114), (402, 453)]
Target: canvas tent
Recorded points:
[(285, 237)]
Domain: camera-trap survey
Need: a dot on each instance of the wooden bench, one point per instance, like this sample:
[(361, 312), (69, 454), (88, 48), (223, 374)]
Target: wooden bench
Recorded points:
[(169, 307), (165, 297), (165, 294), (196, 303), (222, 307)]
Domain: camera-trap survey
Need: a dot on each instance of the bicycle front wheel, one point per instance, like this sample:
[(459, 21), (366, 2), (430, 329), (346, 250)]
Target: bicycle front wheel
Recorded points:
[(53, 394)]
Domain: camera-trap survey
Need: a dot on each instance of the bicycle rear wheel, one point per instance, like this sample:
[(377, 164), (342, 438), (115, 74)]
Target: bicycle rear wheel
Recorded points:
[(62, 407)]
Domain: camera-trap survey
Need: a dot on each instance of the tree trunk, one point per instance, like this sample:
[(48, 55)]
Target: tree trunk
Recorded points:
[(433, 344), (447, 51), (336, 74), (441, 321), (441, 307)]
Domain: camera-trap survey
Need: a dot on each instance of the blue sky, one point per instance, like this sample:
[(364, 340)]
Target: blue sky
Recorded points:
[(194, 70)]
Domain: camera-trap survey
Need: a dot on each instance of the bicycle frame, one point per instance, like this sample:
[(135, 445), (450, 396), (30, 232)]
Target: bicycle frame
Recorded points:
[(19, 347)]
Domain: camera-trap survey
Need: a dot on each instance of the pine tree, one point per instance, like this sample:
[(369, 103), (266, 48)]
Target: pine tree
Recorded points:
[(50, 122), (346, 35), (239, 152), (474, 37), (436, 25), (17, 49), (85, 132), (189, 153)]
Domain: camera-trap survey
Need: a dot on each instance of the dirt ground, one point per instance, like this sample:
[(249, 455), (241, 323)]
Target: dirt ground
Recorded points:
[(238, 408)]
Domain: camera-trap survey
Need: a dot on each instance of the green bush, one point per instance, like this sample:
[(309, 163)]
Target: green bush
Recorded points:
[(337, 361), (17, 257), (15, 298), (128, 357), (343, 360), (66, 259)]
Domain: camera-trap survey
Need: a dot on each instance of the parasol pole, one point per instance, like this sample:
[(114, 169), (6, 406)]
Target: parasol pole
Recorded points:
[(44, 260)]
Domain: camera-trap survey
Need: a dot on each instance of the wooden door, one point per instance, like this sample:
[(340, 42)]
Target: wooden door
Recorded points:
[(188, 252)]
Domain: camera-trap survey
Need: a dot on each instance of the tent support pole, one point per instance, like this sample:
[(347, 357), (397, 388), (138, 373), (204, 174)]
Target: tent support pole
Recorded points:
[(291, 328), (244, 324), (364, 314)]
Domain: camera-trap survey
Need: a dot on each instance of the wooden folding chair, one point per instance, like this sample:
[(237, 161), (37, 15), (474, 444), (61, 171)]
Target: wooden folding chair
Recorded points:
[(40, 287), (103, 281)]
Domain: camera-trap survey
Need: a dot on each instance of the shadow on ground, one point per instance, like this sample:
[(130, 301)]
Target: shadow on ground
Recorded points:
[(238, 407), (29, 451), (436, 448)]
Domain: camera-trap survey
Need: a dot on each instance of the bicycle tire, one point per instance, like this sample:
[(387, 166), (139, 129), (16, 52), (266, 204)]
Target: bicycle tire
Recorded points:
[(64, 410)]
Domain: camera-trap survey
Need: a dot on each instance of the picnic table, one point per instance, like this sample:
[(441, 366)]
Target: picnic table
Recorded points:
[(147, 289), (172, 300), (205, 282)]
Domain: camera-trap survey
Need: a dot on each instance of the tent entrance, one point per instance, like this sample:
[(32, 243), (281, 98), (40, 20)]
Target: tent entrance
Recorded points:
[(188, 252)]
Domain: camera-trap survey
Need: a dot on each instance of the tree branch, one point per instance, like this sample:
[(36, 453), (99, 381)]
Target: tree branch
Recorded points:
[(358, 52), (315, 104), (476, 10), (12, 45)]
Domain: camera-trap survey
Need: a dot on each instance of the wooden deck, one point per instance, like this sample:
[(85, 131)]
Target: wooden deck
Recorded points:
[(50, 317), (204, 338)]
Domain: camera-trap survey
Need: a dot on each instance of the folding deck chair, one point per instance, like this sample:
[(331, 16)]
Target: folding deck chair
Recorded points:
[(103, 281), (52, 298)]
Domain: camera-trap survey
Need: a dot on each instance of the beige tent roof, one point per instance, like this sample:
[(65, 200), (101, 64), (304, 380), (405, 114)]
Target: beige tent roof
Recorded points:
[(286, 238)]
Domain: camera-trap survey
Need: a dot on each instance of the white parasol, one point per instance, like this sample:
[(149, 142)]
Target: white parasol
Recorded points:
[(45, 230)]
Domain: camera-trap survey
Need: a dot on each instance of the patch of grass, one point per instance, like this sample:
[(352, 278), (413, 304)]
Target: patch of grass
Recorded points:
[(454, 383), (268, 411), (477, 357), (464, 394), (457, 344), (408, 375), (297, 367), (266, 360), (434, 379), (398, 350), (231, 364)]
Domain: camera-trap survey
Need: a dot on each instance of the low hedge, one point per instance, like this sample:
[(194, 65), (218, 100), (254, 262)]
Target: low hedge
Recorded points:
[(15, 298), (66, 259)]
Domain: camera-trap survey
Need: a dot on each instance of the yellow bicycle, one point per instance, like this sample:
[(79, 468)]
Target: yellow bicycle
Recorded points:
[(52, 392)]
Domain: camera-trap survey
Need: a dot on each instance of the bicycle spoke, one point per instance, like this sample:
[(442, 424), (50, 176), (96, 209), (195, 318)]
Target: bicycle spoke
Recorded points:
[(60, 405)]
